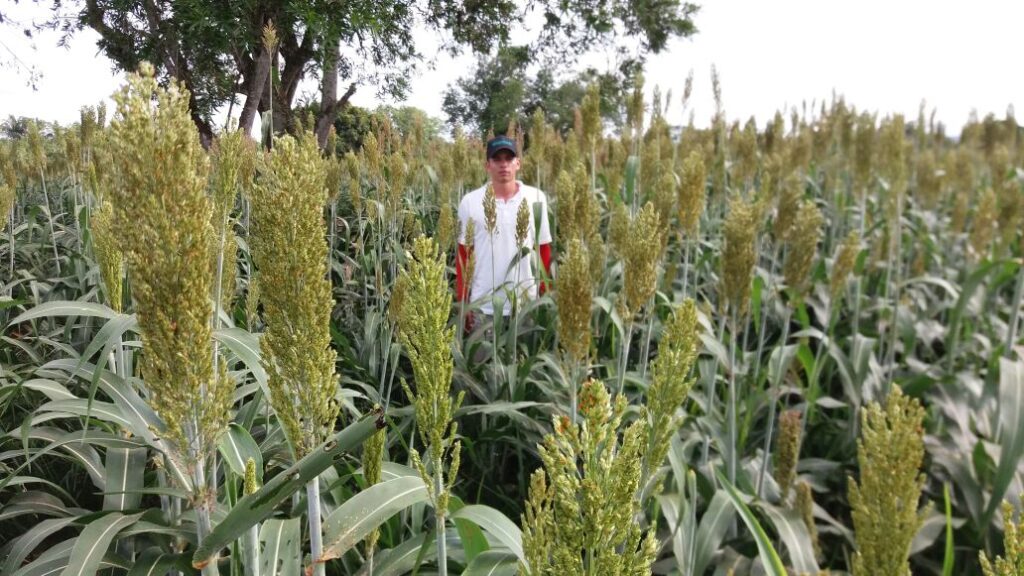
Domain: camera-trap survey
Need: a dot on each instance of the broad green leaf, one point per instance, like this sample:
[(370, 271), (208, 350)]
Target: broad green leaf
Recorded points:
[(493, 563), (360, 514), (27, 542), (155, 562), (472, 537), (36, 502), (712, 529), (1011, 441), (144, 422), (237, 446), (125, 468), (769, 557), (80, 407), (670, 507), (793, 533), (70, 442), (258, 506), (65, 308), (93, 542), (280, 542), (52, 389), (246, 346), (401, 559), (496, 524)]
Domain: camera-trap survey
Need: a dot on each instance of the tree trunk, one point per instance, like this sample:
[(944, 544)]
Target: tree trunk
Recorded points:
[(254, 93)]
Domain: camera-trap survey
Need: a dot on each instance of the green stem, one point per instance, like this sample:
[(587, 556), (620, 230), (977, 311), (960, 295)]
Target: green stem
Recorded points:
[(773, 394), (731, 407), (49, 216), (1018, 292), (624, 356), (203, 524), (439, 518), (315, 528)]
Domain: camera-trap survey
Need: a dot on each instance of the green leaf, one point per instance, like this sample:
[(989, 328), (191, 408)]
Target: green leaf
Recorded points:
[(1011, 442), (670, 507), (65, 308), (280, 542), (401, 559), (472, 537), (793, 533), (711, 532), (632, 165), (769, 557), (80, 407), (52, 389), (125, 469), (258, 506), (93, 542), (144, 422), (246, 347), (496, 524), (360, 514), (949, 559), (493, 563), (237, 446), (155, 562), (27, 542)]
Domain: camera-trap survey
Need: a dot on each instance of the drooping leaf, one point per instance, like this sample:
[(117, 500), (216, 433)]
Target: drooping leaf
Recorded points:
[(359, 515)]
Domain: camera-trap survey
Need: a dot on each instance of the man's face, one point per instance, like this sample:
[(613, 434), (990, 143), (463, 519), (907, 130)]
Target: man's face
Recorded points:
[(502, 167)]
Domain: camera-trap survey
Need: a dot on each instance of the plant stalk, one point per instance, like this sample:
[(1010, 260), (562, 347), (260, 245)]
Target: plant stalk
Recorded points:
[(442, 544), (315, 536)]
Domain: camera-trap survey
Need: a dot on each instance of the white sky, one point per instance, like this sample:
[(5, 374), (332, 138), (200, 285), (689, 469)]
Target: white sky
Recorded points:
[(881, 55)]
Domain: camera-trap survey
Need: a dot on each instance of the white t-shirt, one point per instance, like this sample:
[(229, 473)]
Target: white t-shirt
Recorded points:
[(505, 275)]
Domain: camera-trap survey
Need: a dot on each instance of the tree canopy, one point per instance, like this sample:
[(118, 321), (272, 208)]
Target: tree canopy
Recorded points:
[(216, 48), (512, 82)]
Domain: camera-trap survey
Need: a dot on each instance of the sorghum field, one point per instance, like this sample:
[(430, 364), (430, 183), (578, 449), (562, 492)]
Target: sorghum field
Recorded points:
[(790, 349)]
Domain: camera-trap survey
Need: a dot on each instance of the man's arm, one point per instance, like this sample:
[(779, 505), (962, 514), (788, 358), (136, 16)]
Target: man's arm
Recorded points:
[(545, 258), (461, 285)]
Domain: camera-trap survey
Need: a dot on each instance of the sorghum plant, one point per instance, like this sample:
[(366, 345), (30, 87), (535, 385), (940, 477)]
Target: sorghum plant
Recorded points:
[(427, 338), (886, 513), (579, 517)]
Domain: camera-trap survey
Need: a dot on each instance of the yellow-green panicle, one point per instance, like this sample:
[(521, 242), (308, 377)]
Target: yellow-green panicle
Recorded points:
[(427, 338), (288, 246), (885, 499), (163, 214)]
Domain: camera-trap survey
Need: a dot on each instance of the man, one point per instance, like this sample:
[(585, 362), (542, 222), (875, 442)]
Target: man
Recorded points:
[(501, 248)]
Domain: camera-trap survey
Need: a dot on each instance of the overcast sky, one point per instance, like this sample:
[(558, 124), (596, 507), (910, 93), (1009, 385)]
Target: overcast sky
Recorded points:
[(885, 56)]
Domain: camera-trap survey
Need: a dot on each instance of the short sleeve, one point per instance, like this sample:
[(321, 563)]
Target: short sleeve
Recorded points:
[(463, 221), (544, 236)]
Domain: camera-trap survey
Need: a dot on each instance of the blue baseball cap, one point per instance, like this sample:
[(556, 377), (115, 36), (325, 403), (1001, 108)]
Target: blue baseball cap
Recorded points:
[(499, 143)]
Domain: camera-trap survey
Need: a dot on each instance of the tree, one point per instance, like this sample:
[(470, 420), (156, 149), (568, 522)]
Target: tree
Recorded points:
[(215, 48), (501, 87)]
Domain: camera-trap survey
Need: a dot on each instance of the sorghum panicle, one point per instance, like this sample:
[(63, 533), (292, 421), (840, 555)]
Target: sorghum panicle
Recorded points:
[(803, 247), (885, 499), (573, 296), (671, 381), (738, 254), (290, 252), (163, 214), (427, 338), (787, 451), (108, 254), (692, 194), (1012, 563)]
